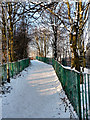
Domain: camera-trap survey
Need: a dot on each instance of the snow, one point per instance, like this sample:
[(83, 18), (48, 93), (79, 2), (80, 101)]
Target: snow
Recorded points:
[(81, 12), (69, 68), (62, 25), (86, 70), (36, 93), (74, 33)]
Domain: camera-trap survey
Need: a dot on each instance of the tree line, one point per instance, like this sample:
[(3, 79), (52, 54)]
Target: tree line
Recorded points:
[(56, 25)]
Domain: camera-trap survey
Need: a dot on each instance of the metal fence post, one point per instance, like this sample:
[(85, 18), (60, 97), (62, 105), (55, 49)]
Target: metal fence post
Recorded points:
[(89, 94), (79, 77)]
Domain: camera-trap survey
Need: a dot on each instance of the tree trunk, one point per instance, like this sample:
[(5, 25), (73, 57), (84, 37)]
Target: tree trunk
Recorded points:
[(55, 45)]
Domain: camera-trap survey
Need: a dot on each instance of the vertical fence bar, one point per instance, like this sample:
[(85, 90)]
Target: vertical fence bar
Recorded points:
[(14, 68), (79, 96), (86, 98), (83, 100), (89, 94)]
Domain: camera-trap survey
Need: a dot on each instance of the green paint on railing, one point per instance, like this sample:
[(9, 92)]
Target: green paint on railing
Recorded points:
[(14, 68), (89, 93), (83, 102), (86, 98)]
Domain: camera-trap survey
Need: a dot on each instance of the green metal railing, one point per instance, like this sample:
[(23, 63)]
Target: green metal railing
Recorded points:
[(85, 96), (78, 94), (14, 68)]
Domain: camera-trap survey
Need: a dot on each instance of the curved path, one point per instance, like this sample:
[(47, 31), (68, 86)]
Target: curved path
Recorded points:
[(36, 93)]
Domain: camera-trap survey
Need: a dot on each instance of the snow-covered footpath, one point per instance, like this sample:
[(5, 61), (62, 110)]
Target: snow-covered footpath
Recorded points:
[(36, 93)]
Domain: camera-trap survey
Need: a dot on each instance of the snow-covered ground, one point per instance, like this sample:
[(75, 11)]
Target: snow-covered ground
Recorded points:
[(86, 70), (36, 93)]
